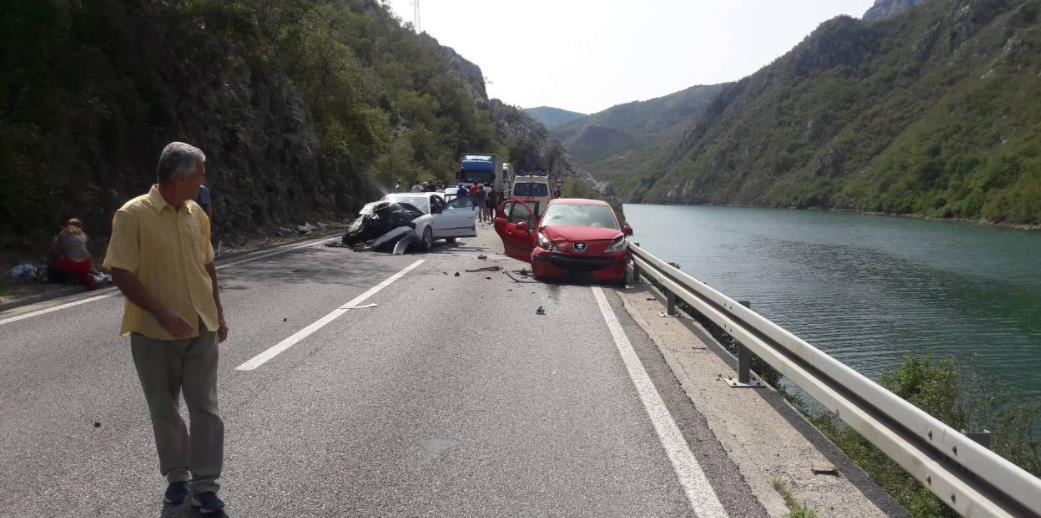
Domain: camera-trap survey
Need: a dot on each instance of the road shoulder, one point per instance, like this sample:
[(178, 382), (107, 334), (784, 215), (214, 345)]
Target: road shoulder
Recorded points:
[(764, 436)]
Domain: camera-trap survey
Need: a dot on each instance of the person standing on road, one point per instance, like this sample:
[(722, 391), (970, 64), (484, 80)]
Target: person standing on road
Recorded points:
[(162, 260), (205, 200), (472, 191), (479, 198), (489, 203)]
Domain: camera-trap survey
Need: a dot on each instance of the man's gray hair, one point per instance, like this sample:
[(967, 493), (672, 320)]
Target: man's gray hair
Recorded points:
[(178, 159)]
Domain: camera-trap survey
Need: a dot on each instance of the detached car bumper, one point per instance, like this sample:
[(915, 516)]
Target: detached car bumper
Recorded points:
[(601, 268)]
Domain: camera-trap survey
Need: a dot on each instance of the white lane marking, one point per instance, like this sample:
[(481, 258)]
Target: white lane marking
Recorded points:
[(280, 347), (116, 292), (55, 308), (263, 255), (699, 492), (360, 307)]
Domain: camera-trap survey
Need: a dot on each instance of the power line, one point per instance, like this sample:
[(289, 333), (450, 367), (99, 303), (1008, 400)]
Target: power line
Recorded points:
[(415, 17)]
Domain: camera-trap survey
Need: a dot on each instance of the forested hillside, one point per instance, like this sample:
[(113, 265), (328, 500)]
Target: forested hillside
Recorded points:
[(305, 109), (623, 138), (553, 117), (934, 111)]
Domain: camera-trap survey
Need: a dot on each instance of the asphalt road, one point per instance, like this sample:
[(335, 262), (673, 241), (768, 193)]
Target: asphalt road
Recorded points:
[(450, 397)]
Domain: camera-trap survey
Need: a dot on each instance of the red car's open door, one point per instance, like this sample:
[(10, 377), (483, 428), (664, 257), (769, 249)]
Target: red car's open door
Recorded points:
[(516, 224)]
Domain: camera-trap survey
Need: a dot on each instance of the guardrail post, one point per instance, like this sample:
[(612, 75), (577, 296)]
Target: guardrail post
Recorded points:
[(636, 268), (744, 364), (981, 438), (671, 297), (744, 356)]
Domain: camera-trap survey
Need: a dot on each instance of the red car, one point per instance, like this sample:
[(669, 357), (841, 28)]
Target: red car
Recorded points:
[(576, 239)]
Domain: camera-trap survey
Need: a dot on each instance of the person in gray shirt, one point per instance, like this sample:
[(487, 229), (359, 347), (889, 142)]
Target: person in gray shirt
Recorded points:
[(71, 256)]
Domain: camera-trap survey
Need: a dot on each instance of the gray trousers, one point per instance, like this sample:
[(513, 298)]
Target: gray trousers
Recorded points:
[(167, 368)]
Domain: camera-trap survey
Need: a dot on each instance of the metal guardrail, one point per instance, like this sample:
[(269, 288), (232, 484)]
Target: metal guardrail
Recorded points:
[(972, 480)]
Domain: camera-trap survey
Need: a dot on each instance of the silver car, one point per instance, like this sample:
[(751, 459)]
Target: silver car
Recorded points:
[(440, 220)]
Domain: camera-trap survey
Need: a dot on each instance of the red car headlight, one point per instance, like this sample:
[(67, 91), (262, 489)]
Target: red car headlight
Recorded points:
[(618, 245), (544, 242)]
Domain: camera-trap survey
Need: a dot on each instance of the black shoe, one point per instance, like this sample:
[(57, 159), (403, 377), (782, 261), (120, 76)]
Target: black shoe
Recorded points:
[(176, 493), (207, 502)]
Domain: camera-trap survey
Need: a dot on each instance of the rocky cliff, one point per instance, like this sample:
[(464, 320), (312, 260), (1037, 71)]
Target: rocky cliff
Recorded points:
[(305, 109)]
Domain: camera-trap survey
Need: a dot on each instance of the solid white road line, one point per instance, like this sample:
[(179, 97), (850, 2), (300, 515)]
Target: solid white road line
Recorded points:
[(280, 347), (261, 255), (55, 308), (251, 257), (700, 494)]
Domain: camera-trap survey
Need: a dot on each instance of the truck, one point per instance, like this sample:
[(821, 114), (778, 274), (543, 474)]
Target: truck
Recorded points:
[(481, 168)]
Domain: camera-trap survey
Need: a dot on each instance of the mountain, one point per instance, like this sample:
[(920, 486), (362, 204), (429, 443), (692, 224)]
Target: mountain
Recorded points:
[(936, 111), (886, 8), (305, 109), (553, 117), (633, 126)]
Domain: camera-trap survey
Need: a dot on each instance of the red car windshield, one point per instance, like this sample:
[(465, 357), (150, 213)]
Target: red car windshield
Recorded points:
[(581, 215)]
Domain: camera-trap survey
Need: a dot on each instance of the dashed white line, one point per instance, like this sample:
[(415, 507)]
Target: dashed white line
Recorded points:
[(280, 347), (695, 484)]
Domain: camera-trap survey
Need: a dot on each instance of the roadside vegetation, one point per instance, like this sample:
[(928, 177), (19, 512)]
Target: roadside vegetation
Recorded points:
[(958, 395), (306, 109), (796, 509), (961, 398)]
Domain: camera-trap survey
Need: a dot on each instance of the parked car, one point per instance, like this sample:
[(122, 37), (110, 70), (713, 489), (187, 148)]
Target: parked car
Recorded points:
[(440, 220), (451, 193), (575, 239)]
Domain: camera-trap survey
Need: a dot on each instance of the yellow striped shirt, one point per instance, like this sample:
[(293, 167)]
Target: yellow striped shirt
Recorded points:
[(167, 250)]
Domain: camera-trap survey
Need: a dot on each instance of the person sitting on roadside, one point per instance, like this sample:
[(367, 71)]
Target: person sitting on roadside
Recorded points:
[(71, 256)]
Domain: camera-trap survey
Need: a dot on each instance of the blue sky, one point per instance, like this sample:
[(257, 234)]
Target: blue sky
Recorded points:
[(589, 55)]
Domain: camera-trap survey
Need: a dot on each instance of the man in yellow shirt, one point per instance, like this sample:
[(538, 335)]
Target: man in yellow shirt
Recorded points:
[(162, 260)]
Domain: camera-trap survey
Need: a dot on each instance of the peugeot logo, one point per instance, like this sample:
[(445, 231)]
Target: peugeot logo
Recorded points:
[(580, 247)]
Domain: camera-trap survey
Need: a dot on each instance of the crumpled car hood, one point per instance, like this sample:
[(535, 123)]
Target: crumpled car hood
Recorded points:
[(580, 233)]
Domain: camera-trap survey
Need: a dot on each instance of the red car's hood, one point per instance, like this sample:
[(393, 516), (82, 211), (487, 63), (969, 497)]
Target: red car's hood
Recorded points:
[(579, 233)]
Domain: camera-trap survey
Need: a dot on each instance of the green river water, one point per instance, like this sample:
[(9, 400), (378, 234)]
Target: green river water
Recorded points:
[(868, 289)]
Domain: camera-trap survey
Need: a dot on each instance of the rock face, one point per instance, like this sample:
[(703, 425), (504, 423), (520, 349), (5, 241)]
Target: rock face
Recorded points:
[(529, 143), (470, 73), (886, 8), (288, 139)]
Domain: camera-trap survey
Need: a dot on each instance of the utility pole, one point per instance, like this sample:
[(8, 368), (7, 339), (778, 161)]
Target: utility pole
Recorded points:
[(415, 17)]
